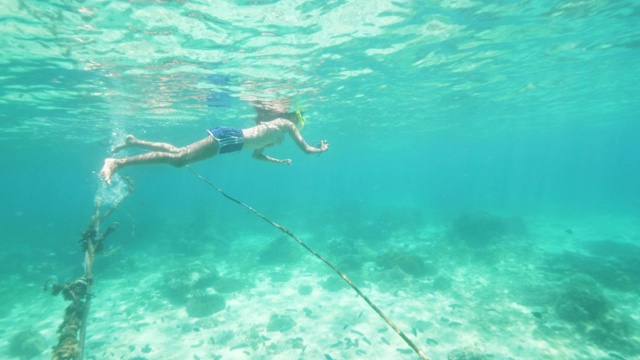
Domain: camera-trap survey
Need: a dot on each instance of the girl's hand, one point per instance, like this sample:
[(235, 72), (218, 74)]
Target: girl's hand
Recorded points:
[(324, 145)]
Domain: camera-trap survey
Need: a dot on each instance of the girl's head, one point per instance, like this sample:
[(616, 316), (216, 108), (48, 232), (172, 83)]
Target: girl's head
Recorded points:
[(299, 120)]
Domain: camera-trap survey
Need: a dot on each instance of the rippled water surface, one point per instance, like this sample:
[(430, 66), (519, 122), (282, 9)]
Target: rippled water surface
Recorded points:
[(80, 68)]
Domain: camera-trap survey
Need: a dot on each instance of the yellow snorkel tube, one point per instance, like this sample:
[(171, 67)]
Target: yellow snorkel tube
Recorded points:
[(301, 119)]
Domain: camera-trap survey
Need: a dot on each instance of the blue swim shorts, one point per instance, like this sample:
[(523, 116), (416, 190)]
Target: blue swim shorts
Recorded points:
[(230, 139)]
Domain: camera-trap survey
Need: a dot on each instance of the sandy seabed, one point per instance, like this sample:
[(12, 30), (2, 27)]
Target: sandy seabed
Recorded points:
[(496, 302)]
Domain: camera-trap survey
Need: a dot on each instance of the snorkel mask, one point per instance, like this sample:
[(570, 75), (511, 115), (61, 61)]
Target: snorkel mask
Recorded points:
[(301, 120)]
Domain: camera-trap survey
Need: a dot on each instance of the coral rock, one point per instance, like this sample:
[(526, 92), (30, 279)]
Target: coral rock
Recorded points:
[(202, 305)]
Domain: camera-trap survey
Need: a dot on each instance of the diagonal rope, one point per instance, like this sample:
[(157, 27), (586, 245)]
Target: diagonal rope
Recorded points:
[(344, 277)]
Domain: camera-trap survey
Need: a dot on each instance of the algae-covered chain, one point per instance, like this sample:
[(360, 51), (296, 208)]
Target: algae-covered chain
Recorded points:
[(72, 331)]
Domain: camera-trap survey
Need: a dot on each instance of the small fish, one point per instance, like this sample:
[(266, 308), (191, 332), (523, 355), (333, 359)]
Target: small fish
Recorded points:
[(414, 331), (385, 341), (349, 342), (198, 344), (569, 231), (328, 357), (537, 314)]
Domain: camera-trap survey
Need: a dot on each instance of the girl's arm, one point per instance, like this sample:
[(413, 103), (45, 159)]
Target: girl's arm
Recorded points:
[(259, 155), (292, 130)]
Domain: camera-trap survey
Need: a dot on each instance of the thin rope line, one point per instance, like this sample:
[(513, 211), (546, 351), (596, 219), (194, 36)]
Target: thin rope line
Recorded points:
[(333, 267)]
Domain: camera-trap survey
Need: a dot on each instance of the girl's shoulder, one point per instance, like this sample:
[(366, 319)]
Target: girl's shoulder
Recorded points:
[(280, 123)]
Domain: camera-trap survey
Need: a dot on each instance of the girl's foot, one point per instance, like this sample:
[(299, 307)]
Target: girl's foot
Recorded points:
[(108, 169), (128, 141)]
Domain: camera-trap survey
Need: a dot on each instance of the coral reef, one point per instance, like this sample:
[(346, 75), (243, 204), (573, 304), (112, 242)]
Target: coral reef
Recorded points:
[(281, 276), (468, 353), (583, 304), (114, 263), (349, 255), (623, 259), (391, 222), (333, 284), (201, 305), (254, 339), (409, 263), (277, 252), (371, 225), (229, 285), (280, 323), (350, 262), (222, 338), (626, 253), (615, 334), (608, 272), (481, 228), (180, 284), (305, 289), (581, 300), (27, 345), (442, 283), (297, 343)]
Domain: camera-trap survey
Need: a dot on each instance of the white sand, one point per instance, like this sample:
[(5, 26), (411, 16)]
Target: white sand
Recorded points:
[(131, 317)]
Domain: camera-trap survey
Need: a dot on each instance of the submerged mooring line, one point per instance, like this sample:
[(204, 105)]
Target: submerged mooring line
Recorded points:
[(73, 329), (344, 277)]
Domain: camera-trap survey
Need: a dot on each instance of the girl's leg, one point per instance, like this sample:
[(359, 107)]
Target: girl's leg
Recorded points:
[(200, 150), (132, 141)]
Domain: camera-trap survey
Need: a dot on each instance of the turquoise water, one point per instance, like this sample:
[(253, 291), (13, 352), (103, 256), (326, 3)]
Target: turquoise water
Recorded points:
[(436, 111)]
